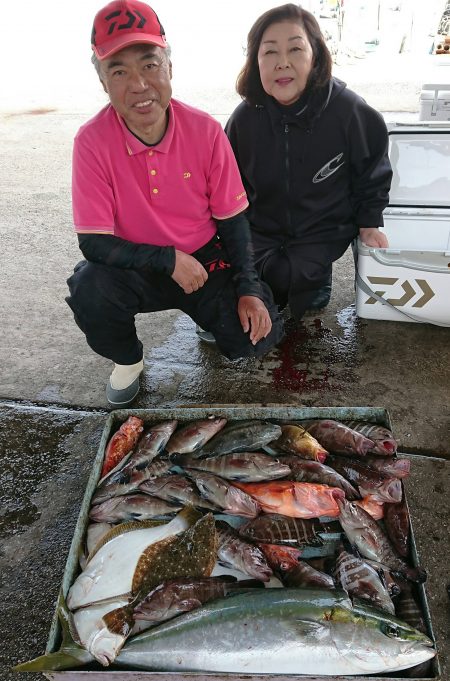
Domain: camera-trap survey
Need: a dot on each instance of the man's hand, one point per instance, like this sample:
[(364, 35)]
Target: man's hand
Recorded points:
[(371, 236), (254, 317), (188, 272)]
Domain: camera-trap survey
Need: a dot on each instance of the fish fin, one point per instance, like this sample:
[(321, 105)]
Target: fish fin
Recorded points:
[(70, 654), (308, 627), (55, 661)]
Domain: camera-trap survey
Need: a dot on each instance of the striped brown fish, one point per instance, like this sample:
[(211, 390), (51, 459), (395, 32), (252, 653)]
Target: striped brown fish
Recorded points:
[(371, 541), (314, 471), (338, 438), (384, 441), (272, 528), (367, 480), (361, 580)]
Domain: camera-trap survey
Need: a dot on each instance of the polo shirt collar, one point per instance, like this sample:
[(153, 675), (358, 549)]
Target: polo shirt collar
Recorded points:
[(135, 146)]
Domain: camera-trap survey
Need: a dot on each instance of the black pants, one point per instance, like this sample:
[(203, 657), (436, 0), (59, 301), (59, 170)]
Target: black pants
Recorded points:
[(296, 272), (105, 301)]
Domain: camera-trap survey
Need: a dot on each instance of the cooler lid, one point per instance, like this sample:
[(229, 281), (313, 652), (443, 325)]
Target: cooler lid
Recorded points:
[(420, 158)]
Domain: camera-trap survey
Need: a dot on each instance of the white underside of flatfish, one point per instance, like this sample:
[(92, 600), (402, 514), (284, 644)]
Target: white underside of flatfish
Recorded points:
[(110, 571)]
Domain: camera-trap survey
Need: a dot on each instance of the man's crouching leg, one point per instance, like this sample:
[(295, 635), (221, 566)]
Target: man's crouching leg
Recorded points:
[(104, 302)]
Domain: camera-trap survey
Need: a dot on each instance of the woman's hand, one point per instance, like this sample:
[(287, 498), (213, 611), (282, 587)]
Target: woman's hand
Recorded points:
[(254, 317), (371, 236), (188, 273)]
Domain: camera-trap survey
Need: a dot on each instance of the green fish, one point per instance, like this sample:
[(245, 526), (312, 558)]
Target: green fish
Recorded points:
[(274, 631)]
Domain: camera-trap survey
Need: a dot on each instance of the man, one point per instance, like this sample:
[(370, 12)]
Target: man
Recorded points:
[(158, 207)]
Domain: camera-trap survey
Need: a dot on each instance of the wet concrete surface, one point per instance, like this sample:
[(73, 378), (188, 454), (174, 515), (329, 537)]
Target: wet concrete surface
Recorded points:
[(54, 404)]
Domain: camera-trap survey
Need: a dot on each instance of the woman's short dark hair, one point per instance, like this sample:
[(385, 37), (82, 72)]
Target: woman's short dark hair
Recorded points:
[(248, 83)]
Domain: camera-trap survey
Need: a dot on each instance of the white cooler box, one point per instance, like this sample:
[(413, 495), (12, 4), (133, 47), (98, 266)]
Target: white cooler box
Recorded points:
[(435, 102), (410, 280)]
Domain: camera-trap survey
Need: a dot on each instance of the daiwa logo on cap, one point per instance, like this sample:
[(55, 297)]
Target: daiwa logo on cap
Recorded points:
[(125, 22)]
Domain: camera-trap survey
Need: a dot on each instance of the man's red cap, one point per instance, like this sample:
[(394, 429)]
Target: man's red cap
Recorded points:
[(122, 23)]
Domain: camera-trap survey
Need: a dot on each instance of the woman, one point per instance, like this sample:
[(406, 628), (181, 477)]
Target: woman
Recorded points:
[(312, 155)]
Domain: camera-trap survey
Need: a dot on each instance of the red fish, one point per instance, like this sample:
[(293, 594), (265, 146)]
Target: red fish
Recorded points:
[(295, 499), (371, 505), (122, 443), (285, 562)]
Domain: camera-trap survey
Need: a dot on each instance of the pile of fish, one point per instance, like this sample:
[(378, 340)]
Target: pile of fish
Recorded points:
[(190, 523)]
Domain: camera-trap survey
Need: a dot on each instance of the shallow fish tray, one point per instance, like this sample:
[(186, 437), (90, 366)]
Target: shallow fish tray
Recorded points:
[(280, 413)]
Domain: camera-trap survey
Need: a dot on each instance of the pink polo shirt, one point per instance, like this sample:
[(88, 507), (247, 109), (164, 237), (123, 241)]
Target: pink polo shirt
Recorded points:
[(165, 195)]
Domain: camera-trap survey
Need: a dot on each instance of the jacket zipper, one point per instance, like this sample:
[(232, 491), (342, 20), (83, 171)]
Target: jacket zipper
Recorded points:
[(287, 168)]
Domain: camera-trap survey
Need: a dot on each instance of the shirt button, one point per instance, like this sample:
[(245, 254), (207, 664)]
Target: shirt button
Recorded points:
[(153, 172), (155, 191), (150, 153)]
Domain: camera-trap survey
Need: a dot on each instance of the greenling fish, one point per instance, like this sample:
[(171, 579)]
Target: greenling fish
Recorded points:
[(241, 436), (127, 480), (110, 571), (222, 493), (243, 466), (175, 596), (132, 507), (270, 631), (175, 489), (195, 434), (237, 553)]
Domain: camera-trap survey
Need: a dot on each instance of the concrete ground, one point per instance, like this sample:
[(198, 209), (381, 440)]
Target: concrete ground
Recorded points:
[(53, 405)]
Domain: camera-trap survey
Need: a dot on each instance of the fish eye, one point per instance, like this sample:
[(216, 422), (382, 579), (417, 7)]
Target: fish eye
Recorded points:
[(391, 631)]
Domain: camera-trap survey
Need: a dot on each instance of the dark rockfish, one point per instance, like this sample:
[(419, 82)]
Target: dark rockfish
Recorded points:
[(224, 495), (194, 435), (385, 443), (367, 480), (360, 579), (127, 480), (396, 522), (296, 440), (241, 436), (313, 471), (366, 534), (150, 444), (121, 443), (390, 581), (243, 466), (176, 489), (131, 507), (389, 465), (235, 552), (175, 596), (337, 438), (271, 528), (286, 563)]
